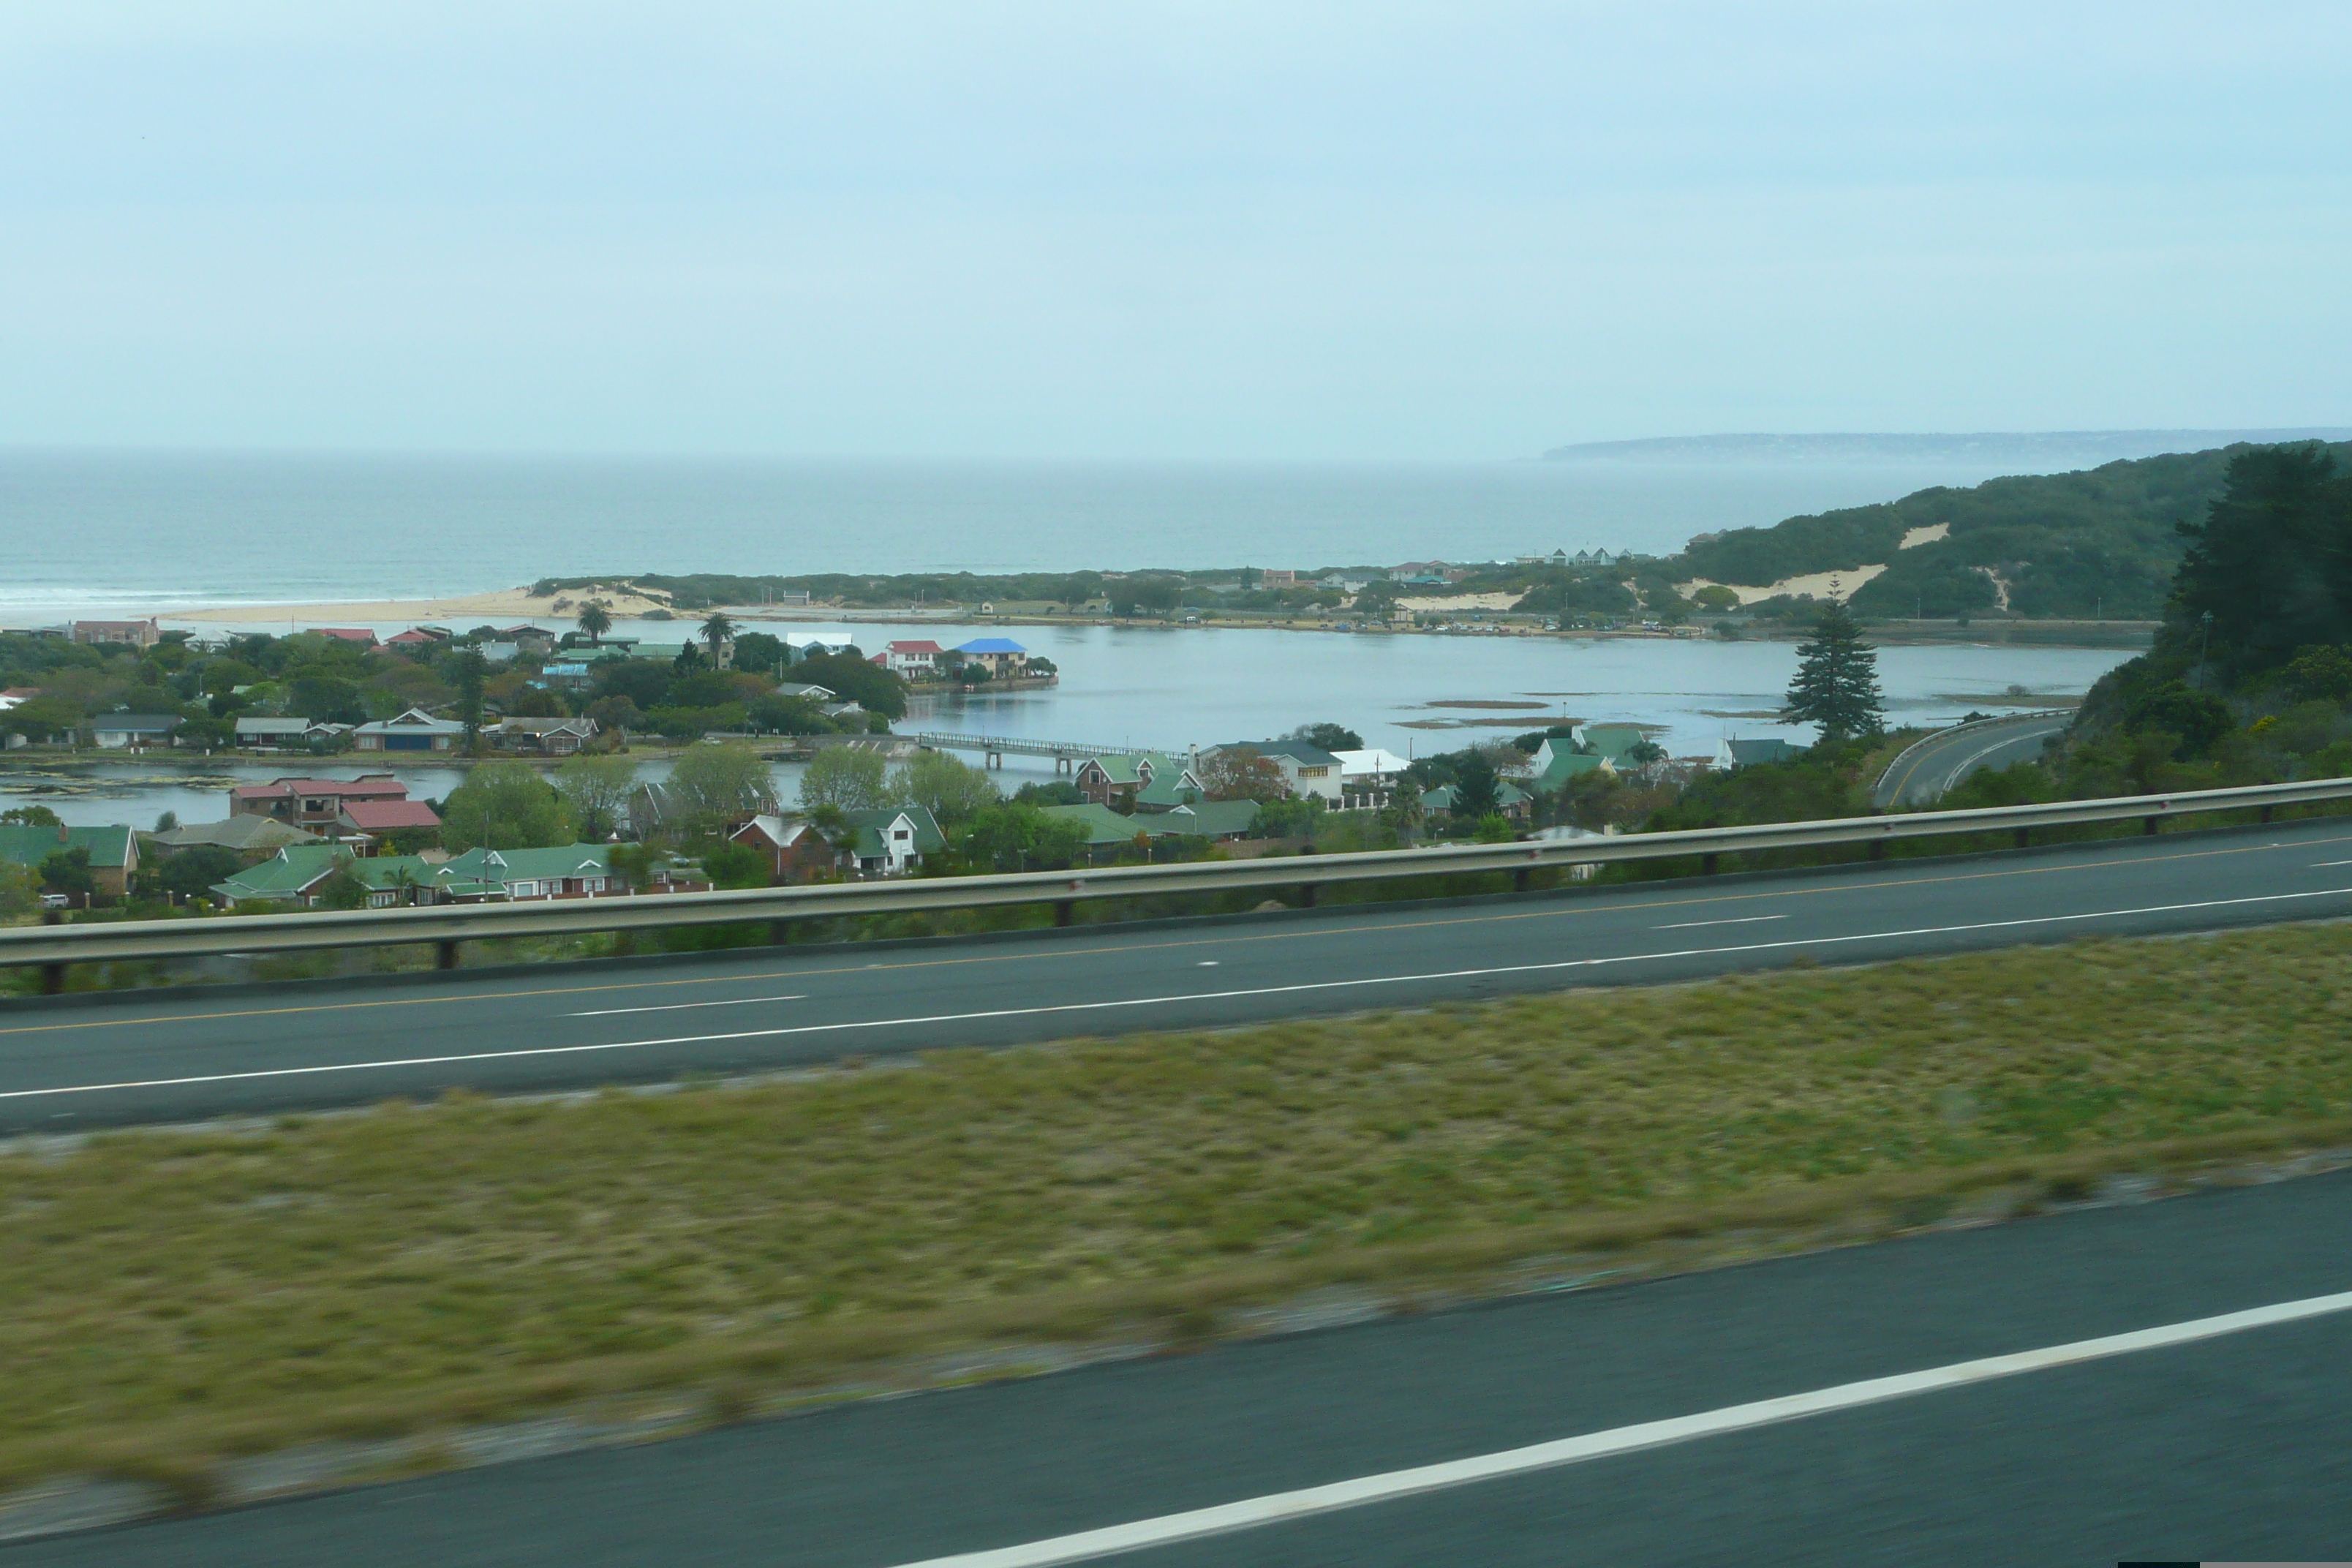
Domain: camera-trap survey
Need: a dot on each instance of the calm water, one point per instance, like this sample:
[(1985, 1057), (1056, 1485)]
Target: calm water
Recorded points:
[(138, 532), (1179, 688)]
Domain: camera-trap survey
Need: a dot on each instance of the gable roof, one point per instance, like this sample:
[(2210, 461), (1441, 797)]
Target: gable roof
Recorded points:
[(388, 816), (136, 724), (871, 825), (1371, 760), (1747, 753), (1611, 741), (1303, 752), (1169, 785), (1565, 765), (990, 644), (1210, 819), (920, 645), (367, 786), (247, 833), (1102, 825), (532, 865), (25, 844), (285, 875)]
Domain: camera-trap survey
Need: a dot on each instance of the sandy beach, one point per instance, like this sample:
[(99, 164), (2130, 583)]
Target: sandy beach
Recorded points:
[(459, 611)]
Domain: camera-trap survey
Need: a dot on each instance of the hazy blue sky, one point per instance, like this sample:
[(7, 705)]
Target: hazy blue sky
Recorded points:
[(1254, 230)]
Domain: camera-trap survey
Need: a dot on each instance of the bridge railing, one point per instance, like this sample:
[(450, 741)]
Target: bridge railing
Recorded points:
[(1016, 745), (446, 925)]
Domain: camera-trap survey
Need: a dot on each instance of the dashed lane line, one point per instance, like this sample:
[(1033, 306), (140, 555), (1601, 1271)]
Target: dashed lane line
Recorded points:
[(315, 1069)]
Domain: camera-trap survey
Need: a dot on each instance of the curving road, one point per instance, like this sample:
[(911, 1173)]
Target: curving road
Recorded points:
[(2181, 1388), (1921, 775), (133, 1059)]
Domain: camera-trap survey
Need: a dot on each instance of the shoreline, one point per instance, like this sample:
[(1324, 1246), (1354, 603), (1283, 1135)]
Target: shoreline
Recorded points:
[(520, 604)]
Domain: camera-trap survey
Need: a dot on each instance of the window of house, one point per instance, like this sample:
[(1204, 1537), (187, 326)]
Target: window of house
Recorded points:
[(524, 889), (898, 833)]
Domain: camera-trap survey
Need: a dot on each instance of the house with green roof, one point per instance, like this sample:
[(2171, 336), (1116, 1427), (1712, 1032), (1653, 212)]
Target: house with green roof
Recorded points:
[(1104, 829), (560, 871), (1554, 768), (1215, 820), (1611, 741), (1510, 800), (1136, 780), (292, 876), (113, 851), (893, 840)]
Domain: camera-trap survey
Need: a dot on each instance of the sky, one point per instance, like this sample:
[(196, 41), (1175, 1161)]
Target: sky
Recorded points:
[(1184, 231)]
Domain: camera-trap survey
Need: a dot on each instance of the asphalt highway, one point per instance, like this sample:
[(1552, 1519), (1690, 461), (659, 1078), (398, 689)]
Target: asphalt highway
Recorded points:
[(135, 1058), (1922, 775), (2199, 1405)]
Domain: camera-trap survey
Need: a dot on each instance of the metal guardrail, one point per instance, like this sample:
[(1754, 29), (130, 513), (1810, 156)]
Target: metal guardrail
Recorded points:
[(448, 924), (1937, 737)]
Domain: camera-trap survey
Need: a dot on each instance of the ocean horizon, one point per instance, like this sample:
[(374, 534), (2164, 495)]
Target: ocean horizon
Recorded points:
[(138, 532)]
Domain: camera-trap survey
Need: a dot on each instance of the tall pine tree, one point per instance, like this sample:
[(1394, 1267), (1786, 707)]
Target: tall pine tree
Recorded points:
[(1836, 686)]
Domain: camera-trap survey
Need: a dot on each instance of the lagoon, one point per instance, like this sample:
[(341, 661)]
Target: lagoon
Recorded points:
[(1177, 688)]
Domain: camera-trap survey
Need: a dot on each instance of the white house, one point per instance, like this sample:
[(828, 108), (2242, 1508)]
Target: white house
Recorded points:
[(1366, 777), (414, 731), (118, 730), (920, 658), (1306, 769)]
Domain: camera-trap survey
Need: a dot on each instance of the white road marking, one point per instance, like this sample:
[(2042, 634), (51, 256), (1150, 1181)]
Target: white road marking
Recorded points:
[(1208, 963), (1280, 1508), (675, 1006), (1742, 921), (1151, 1001), (2316, 864)]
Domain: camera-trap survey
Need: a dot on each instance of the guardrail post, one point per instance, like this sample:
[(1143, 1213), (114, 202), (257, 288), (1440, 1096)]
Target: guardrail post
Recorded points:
[(1707, 864), (1878, 848), (2266, 813), (2147, 825), (444, 955), (779, 932), (2024, 837)]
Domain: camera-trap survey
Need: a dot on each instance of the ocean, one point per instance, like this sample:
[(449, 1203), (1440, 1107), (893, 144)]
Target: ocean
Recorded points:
[(96, 532)]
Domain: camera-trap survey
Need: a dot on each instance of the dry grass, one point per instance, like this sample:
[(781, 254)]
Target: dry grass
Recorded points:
[(170, 1294)]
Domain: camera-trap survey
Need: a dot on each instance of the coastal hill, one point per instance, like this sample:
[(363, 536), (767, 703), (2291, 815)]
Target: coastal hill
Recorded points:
[(2096, 542), (2037, 451)]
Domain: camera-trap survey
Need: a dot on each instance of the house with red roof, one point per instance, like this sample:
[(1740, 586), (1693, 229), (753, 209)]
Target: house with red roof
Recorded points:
[(314, 804), (357, 636), (912, 659), (373, 821)]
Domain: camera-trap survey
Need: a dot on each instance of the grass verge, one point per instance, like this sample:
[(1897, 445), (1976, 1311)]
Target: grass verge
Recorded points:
[(173, 1296)]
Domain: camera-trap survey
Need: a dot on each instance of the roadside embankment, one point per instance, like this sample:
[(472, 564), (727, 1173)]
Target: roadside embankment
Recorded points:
[(179, 1301)]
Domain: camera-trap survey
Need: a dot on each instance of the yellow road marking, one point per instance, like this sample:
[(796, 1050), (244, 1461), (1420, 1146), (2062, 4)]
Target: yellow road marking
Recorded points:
[(1596, 907)]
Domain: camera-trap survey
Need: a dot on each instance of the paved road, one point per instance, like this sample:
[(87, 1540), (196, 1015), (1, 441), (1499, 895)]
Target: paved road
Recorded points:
[(2233, 1446), (1921, 776), (137, 1059)]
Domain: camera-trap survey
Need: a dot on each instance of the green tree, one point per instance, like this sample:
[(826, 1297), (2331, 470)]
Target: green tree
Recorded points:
[(31, 816), (1330, 737), (466, 671), (951, 791), (20, 890), (2321, 672), (595, 620), (717, 630), (1011, 838), (715, 786), (2270, 562), (1240, 773), (1836, 683), (847, 778), (595, 788), (342, 891), (737, 866), (67, 871), (1477, 791), (505, 806), (848, 676)]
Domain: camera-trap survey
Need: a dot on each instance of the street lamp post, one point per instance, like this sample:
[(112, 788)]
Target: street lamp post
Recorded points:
[(2205, 648)]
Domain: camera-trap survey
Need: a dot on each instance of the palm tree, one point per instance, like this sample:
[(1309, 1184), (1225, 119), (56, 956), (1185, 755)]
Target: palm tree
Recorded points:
[(595, 620), (717, 629)]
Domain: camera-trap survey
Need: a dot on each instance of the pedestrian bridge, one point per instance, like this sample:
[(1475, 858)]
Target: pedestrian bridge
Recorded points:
[(1066, 754)]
